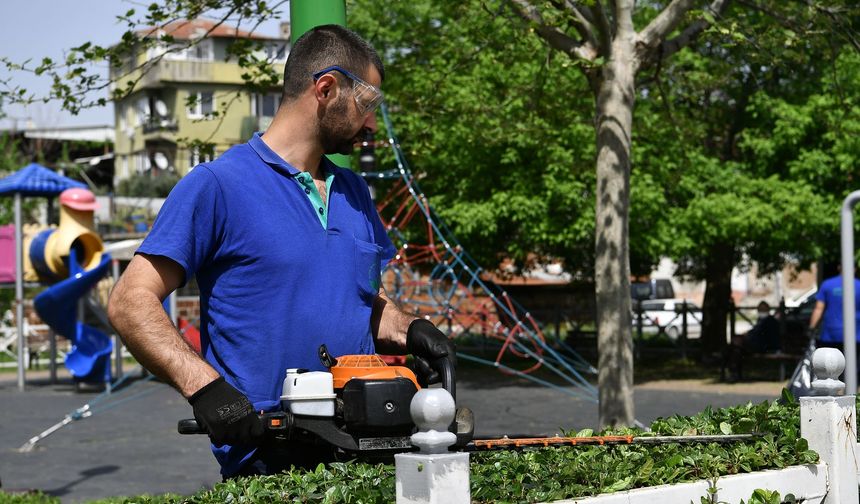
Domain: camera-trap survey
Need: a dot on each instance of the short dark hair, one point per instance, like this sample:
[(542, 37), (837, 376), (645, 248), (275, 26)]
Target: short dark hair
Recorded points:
[(325, 46)]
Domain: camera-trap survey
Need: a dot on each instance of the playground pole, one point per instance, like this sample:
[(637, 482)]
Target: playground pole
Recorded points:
[(306, 14), (117, 340), (19, 289), (849, 323)]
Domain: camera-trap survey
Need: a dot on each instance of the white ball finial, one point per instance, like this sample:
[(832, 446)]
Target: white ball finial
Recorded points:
[(433, 411), (828, 364)]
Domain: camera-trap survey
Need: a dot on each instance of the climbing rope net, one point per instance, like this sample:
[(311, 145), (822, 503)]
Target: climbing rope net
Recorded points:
[(433, 276)]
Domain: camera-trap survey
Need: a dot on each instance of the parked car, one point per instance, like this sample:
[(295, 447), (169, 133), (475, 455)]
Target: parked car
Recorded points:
[(658, 288), (668, 315)]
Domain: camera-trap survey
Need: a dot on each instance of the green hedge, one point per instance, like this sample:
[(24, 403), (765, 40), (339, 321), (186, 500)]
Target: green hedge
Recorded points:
[(547, 474)]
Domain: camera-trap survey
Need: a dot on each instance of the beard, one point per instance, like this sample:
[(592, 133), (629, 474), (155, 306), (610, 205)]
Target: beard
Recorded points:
[(337, 136)]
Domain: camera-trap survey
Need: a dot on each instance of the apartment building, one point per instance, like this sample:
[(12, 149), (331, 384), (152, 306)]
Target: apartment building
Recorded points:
[(157, 125)]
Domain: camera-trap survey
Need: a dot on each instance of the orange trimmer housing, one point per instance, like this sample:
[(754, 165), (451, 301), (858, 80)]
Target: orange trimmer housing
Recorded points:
[(367, 367)]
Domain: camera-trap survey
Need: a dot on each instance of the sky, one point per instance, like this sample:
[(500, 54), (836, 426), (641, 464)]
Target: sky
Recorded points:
[(38, 28)]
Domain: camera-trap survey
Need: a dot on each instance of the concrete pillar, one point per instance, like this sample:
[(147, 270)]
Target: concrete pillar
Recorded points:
[(828, 424), (433, 475)]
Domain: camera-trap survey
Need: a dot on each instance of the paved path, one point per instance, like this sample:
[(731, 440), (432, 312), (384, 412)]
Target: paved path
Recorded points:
[(132, 447)]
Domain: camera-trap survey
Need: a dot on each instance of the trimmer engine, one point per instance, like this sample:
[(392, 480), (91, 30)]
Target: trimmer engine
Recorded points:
[(360, 393), (359, 407)]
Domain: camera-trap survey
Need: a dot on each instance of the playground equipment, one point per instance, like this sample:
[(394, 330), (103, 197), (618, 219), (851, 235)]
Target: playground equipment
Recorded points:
[(435, 277), (32, 180), (49, 250), (72, 256)]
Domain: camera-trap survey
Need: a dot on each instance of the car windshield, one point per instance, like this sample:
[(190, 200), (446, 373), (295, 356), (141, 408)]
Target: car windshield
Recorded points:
[(654, 305)]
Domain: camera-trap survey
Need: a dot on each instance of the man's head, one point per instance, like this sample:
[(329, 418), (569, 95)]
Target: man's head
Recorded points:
[(763, 309), (344, 74), (326, 46)]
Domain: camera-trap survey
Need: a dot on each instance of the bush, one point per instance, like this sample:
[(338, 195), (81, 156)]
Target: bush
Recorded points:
[(145, 186), (547, 474), (27, 498)]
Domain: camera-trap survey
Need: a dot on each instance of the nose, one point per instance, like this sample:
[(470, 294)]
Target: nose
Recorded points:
[(370, 122)]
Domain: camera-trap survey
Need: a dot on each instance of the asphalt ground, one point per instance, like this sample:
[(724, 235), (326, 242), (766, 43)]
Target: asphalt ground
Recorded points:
[(129, 446)]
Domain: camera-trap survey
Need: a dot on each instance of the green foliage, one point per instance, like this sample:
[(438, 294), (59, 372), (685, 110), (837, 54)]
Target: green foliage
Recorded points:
[(33, 497), (145, 186), (761, 496), (814, 140), (495, 124), (698, 122), (547, 474)]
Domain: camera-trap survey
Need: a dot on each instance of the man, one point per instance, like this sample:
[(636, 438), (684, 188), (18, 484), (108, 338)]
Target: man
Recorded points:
[(828, 307), (287, 249)]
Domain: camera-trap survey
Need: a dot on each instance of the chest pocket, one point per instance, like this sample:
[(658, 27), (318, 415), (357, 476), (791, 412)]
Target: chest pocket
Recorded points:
[(367, 257)]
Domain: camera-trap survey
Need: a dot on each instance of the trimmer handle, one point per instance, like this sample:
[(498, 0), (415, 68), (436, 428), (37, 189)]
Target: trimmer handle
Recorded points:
[(446, 371), (190, 426), (274, 421)]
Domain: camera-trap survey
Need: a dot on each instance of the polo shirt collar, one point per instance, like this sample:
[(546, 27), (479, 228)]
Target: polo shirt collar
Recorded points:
[(273, 159), (269, 156)]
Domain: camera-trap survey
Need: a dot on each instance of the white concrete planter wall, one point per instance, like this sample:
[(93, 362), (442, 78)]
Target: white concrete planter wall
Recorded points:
[(807, 482)]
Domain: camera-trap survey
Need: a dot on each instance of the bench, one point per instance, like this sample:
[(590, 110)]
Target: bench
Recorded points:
[(780, 356)]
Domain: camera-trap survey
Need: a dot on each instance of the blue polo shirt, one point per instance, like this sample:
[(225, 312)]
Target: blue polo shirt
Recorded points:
[(830, 293), (274, 283)]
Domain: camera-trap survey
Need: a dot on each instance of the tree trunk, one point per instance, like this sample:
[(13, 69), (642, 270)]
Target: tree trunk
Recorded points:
[(715, 308), (615, 97)]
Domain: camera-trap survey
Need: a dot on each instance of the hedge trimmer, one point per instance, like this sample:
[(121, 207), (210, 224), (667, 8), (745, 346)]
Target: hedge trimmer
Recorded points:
[(359, 408)]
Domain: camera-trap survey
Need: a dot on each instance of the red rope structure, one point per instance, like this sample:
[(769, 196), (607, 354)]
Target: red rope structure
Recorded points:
[(433, 276)]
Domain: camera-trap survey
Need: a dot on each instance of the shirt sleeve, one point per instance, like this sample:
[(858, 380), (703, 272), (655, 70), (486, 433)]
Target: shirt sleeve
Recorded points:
[(188, 226), (820, 295)]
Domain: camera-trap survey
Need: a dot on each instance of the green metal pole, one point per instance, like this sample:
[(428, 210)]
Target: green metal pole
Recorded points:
[(306, 14)]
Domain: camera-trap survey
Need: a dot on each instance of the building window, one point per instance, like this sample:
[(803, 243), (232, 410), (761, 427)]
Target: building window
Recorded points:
[(121, 113), (124, 171), (204, 105), (203, 50), (143, 111), (197, 155), (276, 51), (141, 162), (265, 105)]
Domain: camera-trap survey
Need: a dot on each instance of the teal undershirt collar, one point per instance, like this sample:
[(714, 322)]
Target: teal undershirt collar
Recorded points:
[(307, 183)]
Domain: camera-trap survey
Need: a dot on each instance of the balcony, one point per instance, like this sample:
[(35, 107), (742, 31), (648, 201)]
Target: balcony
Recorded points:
[(190, 71), (160, 124)]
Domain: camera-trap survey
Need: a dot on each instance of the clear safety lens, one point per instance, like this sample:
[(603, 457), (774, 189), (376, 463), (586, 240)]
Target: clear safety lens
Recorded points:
[(366, 96)]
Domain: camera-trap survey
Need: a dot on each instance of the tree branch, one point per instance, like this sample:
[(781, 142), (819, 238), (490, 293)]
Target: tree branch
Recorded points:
[(664, 24), (556, 38), (624, 17), (650, 48), (605, 27), (582, 25)]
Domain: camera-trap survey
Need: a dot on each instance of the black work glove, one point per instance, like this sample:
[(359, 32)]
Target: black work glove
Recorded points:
[(226, 414), (427, 344)]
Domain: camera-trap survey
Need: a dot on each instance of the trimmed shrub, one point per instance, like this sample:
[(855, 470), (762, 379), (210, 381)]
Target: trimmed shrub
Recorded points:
[(546, 474)]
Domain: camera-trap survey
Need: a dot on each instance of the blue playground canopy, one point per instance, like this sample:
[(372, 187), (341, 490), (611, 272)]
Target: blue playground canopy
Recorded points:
[(36, 180)]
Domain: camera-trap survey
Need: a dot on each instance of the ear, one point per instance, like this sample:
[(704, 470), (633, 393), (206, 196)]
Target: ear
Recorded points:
[(325, 89)]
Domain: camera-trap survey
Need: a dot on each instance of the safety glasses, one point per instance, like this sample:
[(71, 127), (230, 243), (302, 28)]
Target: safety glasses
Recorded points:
[(367, 97)]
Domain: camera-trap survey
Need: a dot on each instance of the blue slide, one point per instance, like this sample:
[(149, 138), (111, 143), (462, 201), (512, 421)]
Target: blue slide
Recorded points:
[(89, 359)]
